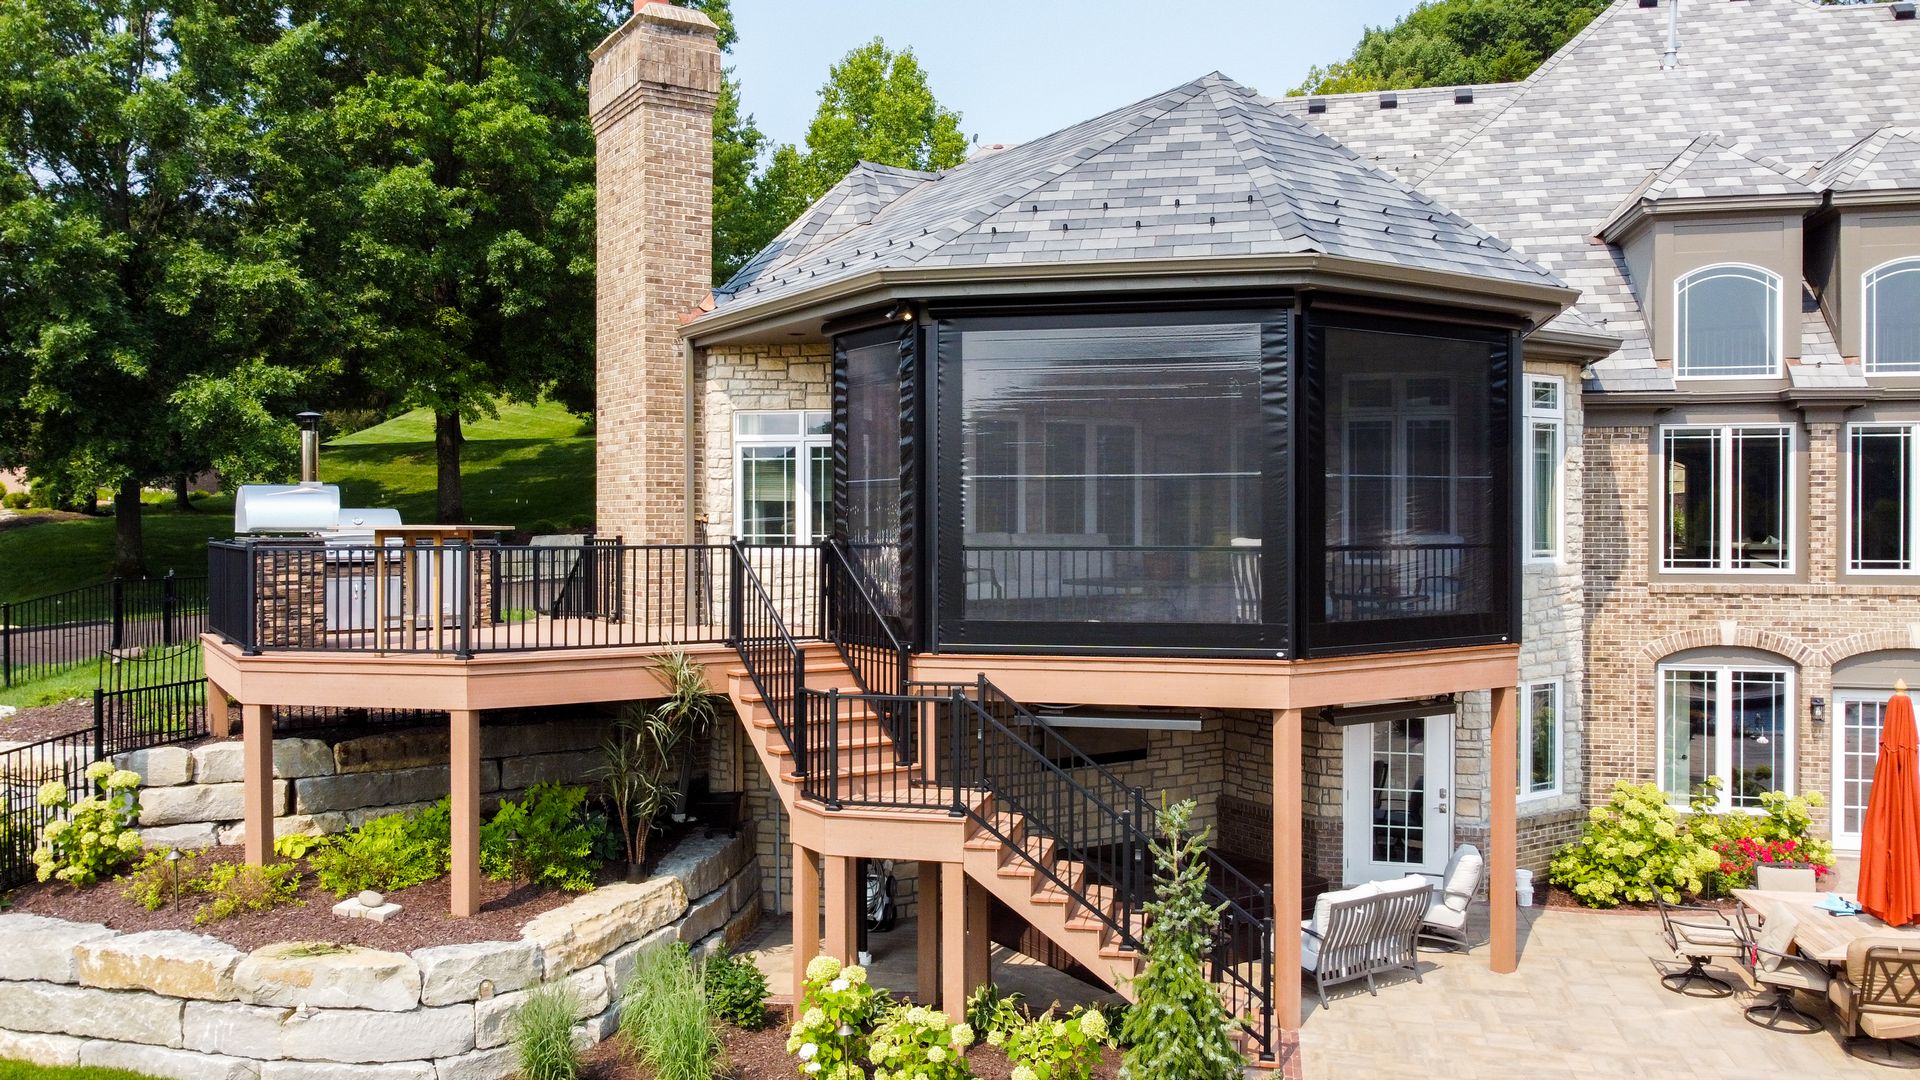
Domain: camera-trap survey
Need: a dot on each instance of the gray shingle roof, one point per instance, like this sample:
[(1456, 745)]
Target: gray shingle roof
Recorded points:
[(1711, 166), (1206, 169), (1788, 80), (1887, 160)]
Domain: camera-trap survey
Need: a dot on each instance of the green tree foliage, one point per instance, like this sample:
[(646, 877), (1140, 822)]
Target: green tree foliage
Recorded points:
[(737, 143), (1453, 42), (1178, 1025), (146, 287), (877, 106), (441, 163)]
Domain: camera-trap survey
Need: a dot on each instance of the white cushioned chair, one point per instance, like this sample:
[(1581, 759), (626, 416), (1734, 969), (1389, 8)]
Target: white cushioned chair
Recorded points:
[(1454, 889), (1775, 969), (1697, 935), (1360, 932)]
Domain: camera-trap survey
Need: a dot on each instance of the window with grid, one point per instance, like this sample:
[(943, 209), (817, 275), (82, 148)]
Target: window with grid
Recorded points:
[(1892, 302), (1727, 498), (1733, 724), (1883, 499), (1546, 455), (1727, 323), (783, 476)]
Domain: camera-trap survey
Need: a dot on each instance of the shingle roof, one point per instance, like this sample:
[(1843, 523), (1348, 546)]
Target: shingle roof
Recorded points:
[(1789, 80), (1711, 166), (1887, 160), (1205, 169)]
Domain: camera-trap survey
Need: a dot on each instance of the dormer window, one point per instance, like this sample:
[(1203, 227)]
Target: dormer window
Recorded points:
[(1892, 344), (1728, 323)]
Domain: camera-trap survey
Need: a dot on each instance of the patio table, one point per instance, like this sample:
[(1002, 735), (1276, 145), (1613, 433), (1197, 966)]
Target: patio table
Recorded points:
[(1818, 934)]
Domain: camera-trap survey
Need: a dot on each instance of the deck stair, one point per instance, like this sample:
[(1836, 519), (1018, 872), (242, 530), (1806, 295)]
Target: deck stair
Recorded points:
[(853, 744)]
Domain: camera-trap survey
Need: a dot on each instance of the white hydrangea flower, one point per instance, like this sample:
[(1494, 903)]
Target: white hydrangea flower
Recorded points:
[(813, 1018), (936, 1054), (839, 986), (100, 770), (822, 967), (808, 1051), (53, 793)]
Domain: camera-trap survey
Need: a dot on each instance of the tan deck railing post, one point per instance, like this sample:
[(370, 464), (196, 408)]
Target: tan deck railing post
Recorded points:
[(464, 781), (257, 775), (1287, 851)]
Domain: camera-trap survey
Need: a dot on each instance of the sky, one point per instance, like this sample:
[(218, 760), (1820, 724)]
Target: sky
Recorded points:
[(1018, 70)]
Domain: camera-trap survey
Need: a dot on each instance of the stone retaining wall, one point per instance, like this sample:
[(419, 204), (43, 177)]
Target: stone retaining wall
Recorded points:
[(174, 1004), (191, 798)]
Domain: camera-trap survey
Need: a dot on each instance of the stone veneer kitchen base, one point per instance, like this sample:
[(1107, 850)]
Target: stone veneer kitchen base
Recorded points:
[(174, 1004)]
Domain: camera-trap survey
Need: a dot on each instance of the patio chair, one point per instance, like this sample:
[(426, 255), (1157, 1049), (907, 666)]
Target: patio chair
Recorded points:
[(1445, 922), (1878, 1000), (1697, 935), (1363, 931), (1784, 879), (1774, 969)]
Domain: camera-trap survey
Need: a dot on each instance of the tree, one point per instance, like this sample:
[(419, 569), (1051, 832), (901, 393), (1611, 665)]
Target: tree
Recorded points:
[(1454, 42), (447, 177), (737, 143), (144, 290), (875, 106), (1178, 1026)]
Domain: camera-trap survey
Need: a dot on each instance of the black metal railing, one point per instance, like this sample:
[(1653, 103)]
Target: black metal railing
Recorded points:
[(1139, 582), (23, 769), (155, 699), (881, 663), (462, 599), (772, 656), (45, 634), (1396, 580), (879, 750)]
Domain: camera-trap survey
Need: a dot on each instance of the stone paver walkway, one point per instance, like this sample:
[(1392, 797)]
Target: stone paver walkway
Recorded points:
[(1586, 1003)]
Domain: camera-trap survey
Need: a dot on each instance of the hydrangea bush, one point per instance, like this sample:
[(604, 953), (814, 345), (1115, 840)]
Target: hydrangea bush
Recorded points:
[(829, 1032), (918, 1043), (92, 838), (1050, 1048)]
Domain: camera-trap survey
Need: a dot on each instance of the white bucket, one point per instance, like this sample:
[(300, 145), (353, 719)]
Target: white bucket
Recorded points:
[(1523, 885)]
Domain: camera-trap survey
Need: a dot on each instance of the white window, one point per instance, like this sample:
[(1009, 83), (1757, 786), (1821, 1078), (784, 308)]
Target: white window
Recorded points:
[(1892, 303), (783, 476), (1883, 499), (1726, 499), (1540, 739), (1727, 323), (1546, 457), (1730, 722)]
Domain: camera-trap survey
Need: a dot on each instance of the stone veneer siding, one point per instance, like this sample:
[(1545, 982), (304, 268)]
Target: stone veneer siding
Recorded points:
[(745, 378), (174, 1004), (1811, 621)]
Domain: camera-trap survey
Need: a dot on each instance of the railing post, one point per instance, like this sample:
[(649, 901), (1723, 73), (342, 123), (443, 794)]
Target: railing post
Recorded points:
[(833, 747), (6, 644), (117, 590), (959, 754), (167, 600), (250, 602), (797, 719), (736, 594), (99, 722), (463, 553)]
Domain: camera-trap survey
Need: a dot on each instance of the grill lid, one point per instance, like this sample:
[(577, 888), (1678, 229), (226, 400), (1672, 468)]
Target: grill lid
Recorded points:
[(285, 508)]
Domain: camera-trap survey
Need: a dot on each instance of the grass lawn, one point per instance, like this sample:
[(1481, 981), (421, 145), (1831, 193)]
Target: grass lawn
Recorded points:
[(77, 680), (20, 1070), (531, 468)]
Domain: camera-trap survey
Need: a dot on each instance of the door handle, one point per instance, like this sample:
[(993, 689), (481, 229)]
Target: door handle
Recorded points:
[(1442, 807)]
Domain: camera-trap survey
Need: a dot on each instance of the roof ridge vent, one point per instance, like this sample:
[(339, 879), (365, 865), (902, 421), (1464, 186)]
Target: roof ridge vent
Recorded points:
[(1904, 10), (1389, 99), (1316, 105), (1463, 95)]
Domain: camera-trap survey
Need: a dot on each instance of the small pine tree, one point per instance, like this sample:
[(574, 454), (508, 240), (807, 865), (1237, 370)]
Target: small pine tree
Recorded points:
[(1178, 1026)]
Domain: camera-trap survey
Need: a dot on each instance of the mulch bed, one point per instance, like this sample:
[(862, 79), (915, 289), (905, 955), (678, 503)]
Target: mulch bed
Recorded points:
[(762, 1055), (38, 517), (423, 922), (46, 721)]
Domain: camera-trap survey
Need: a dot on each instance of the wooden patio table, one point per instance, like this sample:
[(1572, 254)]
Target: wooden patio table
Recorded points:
[(416, 538), (1819, 935)]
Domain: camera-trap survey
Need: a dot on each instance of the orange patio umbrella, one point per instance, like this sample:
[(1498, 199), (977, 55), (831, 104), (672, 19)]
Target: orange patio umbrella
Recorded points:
[(1890, 836)]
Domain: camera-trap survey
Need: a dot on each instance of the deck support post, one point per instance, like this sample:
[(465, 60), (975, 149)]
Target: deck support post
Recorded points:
[(1503, 906), (953, 941), (1287, 853), (806, 917), (256, 751), (464, 781), (219, 717), (845, 908), (927, 918), (979, 936)]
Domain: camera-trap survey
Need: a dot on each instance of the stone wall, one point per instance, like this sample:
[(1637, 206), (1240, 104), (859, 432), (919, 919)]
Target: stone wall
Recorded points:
[(749, 378), (174, 1004), (191, 798)]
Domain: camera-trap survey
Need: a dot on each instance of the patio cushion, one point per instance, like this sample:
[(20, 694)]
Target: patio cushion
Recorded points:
[(1796, 973), (1704, 940), (1326, 900), (1462, 879), (1776, 938)]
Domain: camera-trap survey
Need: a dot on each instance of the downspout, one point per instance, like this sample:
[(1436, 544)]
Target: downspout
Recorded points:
[(687, 436)]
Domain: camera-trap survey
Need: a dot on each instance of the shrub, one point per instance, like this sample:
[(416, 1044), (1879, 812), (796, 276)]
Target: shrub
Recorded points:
[(95, 836), (297, 845), (913, 1042), (388, 853), (1789, 821), (836, 1005), (650, 757), (1634, 847), (737, 992), (1051, 1048), (665, 1015), (237, 887), (16, 500), (1783, 836), (993, 1014), (541, 1030), (1178, 1026), (153, 883), (544, 839)]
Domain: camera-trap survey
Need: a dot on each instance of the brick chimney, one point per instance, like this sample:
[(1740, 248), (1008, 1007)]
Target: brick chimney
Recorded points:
[(655, 81)]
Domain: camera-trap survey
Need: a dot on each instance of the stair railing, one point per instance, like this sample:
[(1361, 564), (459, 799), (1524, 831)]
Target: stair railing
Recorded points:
[(774, 660), (881, 663)]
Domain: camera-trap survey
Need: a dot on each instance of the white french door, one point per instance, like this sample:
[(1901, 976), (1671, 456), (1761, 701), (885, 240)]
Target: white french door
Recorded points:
[(1856, 745), (1398, 775)]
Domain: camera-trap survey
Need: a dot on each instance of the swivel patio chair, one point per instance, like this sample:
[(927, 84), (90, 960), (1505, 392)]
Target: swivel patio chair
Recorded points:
[(1445, 924), (1878, 1001), (1774, 969), (1697, 935)]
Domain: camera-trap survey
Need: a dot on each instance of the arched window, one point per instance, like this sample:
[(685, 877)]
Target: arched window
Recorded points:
[(1892, 301), (1726, 714), (1728, 323)]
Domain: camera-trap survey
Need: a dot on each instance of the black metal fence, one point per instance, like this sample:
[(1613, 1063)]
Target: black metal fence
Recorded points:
[(23, 769), (48, 633)]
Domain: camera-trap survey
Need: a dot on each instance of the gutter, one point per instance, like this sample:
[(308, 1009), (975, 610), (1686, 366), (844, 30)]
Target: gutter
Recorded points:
[(1795, 396), (1537, 303)]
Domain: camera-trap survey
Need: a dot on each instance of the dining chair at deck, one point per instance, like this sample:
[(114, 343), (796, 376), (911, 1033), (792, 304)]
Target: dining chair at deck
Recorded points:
[(1773, 968), (1697, 935), (1878, 1001)]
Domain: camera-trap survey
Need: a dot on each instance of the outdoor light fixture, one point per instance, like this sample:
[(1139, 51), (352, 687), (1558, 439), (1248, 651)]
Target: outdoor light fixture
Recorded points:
[(173, 867), (1817, 710)]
